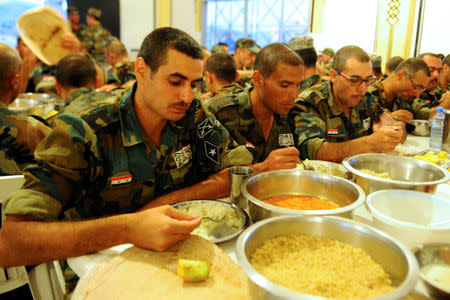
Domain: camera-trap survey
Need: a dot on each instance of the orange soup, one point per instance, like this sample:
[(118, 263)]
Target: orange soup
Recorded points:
[(300, 202)]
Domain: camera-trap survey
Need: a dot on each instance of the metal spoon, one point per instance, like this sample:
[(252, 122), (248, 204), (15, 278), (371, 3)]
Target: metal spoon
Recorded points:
[(215, 220)]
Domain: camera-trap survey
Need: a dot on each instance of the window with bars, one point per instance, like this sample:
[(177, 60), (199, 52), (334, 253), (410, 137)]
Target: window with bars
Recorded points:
[(265, 21)]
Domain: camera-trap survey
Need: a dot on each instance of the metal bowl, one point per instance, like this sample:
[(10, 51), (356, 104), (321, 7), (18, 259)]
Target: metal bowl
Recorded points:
[(33, 104), (326, 167), (224, 231), (422, 127), (434, 256), (407, 173), (394, 258), (344, 193)]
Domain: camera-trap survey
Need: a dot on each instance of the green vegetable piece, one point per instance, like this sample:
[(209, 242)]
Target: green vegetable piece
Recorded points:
[(192, 270)]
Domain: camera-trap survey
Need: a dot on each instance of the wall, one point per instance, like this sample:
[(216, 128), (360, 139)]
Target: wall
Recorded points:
[(184, 17)]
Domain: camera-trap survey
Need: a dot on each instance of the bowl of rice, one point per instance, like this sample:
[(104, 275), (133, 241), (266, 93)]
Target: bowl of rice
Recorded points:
[(221, 221), (377, 171), (321, 257)]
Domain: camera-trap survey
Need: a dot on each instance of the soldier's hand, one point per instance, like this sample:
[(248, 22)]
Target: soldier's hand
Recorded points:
[(403, 115), (160, 227), (70, 42), (386, 139), (284, 158)]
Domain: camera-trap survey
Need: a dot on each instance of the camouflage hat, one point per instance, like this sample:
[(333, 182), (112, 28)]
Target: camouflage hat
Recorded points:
[(73, 10), (375, 59), (219, 49), (301, 42), (328, 51), (96, 12), (247, 43)]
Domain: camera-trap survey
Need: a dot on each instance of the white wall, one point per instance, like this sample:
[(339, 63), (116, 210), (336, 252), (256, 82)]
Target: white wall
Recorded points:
[(183, 17), (137, 19)]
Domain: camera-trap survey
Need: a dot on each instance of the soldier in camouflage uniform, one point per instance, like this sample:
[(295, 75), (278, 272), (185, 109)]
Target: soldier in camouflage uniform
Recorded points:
[(398, 93), (326, 62), (336, 119), (257, 117), (156, 146), (95, 34), (122, 69), (221, 76), (19, 134), (444, 82), (433, 93), (74, 18), (244, 56)]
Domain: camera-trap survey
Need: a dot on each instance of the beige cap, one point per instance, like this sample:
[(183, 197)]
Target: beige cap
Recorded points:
[(42, 30)]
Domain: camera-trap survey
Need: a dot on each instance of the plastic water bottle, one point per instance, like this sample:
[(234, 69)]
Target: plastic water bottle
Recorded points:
[(437, 129)]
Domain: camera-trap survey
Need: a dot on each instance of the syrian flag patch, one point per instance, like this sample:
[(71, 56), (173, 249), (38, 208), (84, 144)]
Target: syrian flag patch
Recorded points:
[(118, 180), (332, 132)]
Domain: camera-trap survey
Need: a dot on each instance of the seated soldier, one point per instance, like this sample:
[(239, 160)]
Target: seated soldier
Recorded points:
[(375, 60), (256, 117), (325, 62), (397, 92), (76, 81), (221, 75), (122, 69), (19, 134), (391, 65), (433, 93), (220, 48), (100, 176), (304, 46), (337, 118), (444, 82), (244, 56)]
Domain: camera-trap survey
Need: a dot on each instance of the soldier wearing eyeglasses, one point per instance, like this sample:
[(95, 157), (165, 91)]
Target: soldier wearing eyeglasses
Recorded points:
[(337, 118), (398, 92)]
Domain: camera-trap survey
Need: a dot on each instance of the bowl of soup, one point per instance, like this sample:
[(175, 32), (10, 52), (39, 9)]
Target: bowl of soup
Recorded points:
[(300, 192)]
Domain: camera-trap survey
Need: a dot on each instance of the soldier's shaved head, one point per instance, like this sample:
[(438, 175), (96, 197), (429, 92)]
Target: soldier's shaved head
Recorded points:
[(223, 66), (75, 70), (413, 65), (344, 54), (270, 56), (117, 48), (10, 67)]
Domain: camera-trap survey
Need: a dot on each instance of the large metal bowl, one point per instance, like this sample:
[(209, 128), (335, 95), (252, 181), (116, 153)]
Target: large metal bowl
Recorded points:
[(344, 193), (407, 173), (394, 258), (33, 104)]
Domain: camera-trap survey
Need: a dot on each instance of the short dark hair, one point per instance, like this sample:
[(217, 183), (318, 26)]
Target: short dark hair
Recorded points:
[(222, 44), (156, 44), (347, 52), (446, 60), (10, 64), (422, 55), (116, 47), (75, 70), (309, 56), (270, 56), (223, 66), (413, 65), (393, 63)]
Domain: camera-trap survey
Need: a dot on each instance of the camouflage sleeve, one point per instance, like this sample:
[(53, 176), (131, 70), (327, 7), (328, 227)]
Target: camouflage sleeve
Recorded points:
[(111, 77), (374, 108), (68, 160), (420, 109), (309, 127)]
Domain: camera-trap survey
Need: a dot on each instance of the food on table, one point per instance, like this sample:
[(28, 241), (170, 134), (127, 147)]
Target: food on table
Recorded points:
[(192, 270), (438, 159), (377, 174), (438, 273), (334, 170), (320, 267), (228, 219), (300, 202)]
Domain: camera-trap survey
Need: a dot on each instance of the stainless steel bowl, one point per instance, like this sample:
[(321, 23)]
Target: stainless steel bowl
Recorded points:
[(432, 256), (407, 173), (33, 104), (394, 258), (422, 127), (344, 193)]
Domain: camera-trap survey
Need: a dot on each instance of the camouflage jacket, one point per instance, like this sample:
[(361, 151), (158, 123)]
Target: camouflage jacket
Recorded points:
[(121, 72), (317, 118), (432, 98), (310, 81), (19, 136), (416, 106), (80, 32), (93, 41), (42, 79), (233, 88), (235, 112), (102, 163), (85, 98), (327, 67)]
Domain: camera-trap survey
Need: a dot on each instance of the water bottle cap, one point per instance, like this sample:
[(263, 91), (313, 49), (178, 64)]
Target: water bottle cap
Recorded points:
[(439, 109)]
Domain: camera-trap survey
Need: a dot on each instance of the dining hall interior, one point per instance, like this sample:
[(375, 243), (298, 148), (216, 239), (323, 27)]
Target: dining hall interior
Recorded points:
[(235, 149)]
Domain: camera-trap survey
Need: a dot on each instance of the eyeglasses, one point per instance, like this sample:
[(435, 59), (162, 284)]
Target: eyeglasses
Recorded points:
[(416, 87), (356, 80)]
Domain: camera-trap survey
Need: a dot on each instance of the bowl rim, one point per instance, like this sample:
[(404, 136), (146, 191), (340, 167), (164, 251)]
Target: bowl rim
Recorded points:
[(222, 202), (287, 211), (400, 291), (397, 223), (348, 165)]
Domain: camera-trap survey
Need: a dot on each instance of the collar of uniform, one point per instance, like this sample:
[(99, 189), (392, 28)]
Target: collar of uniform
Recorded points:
[(131, 129), (245, 107), (77, 93), (334, 108)]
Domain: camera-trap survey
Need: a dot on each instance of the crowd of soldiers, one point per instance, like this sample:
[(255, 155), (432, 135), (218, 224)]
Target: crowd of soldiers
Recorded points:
[(164, 128)]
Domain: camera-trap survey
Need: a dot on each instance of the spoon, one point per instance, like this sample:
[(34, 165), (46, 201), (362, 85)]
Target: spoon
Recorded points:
[(215, 220)]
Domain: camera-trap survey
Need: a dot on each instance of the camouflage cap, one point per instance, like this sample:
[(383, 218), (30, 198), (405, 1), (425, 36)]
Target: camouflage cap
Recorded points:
[(301, 42), (247, 43), (375, 59), (328, 51), (96, 12), (219, 49), (73, 10)]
